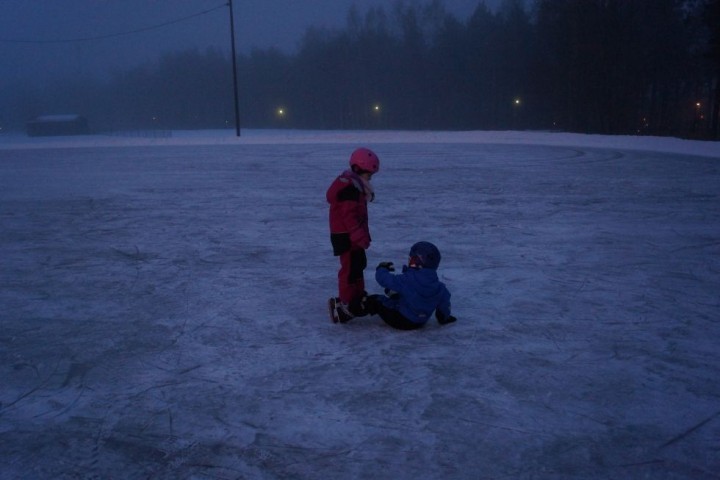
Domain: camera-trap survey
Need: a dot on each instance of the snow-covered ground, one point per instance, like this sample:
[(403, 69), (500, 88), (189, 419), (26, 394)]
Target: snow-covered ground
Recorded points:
[(162, 309)]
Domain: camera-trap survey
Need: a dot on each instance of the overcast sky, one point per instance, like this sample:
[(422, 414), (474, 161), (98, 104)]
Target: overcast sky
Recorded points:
[(33, 33)]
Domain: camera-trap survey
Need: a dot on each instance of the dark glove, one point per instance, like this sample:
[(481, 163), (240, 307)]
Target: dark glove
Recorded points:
[(391, 294), (445, 320), (387, 265)]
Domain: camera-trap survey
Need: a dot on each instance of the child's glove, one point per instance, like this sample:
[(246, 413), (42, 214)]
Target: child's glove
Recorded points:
[(442, 319), (391, 294), (387, 265), (447, 320)]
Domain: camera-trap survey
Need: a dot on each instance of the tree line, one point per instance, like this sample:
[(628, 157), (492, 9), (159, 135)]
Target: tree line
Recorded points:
[(595, 66)]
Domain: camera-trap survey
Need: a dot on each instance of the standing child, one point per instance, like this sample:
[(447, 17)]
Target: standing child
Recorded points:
[(414, 294), (349, 232)]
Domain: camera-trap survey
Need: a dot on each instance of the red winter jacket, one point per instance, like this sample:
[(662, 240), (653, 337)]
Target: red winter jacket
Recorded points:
[(348, 213)]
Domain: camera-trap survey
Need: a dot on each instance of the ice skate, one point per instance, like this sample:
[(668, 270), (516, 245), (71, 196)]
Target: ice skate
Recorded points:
[(331, 309), (339, 312)]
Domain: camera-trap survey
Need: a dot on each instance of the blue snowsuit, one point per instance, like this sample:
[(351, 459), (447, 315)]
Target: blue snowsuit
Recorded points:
[(419, 294)]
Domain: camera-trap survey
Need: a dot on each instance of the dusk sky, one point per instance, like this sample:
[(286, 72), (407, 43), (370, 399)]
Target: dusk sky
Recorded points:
[(40, 38)]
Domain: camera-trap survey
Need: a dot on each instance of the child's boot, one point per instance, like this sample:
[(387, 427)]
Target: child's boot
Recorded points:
[(371, 304), (357, 306)]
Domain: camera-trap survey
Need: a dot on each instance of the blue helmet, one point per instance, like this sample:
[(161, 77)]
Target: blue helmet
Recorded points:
[(424, 255)]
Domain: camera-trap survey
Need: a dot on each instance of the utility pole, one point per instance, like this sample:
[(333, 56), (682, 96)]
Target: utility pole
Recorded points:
[(234, 68)]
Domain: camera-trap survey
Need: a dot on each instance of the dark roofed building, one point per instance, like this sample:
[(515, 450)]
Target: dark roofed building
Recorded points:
[(49, 125)]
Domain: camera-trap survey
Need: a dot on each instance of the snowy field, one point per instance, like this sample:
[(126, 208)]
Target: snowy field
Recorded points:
[(163, 309)]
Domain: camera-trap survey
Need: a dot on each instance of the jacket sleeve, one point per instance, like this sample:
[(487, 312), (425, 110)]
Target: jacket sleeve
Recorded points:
[(359, 232), (443, 310), (354, 216), (389, 280)]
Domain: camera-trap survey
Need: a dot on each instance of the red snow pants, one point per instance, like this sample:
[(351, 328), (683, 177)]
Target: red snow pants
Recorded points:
[(351, 280)]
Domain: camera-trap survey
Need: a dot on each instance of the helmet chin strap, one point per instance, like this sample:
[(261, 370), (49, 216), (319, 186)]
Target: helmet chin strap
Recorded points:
[(367, 188), (369, 191)]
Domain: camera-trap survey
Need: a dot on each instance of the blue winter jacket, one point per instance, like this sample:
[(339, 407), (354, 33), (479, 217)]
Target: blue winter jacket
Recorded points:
[(420, 293)]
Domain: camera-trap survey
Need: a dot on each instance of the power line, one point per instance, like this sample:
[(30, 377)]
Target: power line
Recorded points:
[(113, 35)]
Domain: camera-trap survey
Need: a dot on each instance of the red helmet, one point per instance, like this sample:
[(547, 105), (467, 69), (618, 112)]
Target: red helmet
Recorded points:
[(365, 160)]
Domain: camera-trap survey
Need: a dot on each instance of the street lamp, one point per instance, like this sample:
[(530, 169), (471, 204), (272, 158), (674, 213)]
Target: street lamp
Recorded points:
[(234, 68)]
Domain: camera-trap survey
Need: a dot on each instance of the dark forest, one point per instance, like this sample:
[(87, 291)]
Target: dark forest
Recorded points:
[(594, 66)]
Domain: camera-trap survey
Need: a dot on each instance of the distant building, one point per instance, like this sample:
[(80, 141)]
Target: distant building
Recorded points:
[(49, 125)]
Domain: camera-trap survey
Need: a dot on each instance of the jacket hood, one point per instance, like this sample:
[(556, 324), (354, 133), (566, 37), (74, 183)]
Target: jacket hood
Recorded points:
[(425, 282)]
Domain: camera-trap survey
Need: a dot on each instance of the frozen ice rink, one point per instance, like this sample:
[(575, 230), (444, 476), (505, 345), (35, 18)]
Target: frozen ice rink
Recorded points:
[(163, 309)]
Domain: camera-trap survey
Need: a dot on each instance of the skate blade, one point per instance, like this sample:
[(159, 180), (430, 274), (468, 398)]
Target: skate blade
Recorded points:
[(333, 311)]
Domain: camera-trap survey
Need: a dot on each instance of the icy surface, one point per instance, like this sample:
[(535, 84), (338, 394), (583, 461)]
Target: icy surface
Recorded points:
[(162, 309)]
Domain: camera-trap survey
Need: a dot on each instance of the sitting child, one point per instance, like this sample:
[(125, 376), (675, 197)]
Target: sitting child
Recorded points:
[(413, 295)]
